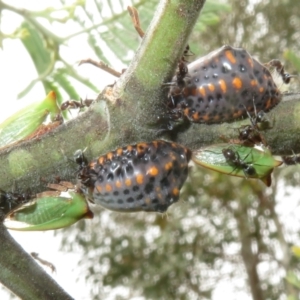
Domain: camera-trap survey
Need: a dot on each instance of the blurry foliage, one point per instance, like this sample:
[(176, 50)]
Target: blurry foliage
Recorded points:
[(224, 229)]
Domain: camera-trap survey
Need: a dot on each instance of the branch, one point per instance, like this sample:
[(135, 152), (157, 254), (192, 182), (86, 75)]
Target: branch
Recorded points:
[(250, 258), (22, 275), (136, 97)]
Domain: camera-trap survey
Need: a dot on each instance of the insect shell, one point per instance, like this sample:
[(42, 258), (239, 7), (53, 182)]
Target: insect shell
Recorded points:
[(141, 177), (221, 87)]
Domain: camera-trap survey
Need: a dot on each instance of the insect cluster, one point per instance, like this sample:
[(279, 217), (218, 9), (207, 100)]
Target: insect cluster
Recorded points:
[(223, 86)]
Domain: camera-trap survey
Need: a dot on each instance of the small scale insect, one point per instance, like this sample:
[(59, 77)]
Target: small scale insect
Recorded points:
[(141, 177), (73, 104), (222, 87), (233, 158)]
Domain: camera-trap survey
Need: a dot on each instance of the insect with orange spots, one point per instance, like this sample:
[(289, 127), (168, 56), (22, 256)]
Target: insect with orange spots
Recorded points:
[(221, 87), (141, 177)]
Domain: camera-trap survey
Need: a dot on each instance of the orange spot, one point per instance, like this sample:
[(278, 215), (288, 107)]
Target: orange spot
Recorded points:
[(141, 147), (128, 182), (175, 192), (168, 166), (92, 164), (101, 160), (268, 103), (230, 56), (195, 116), (153, 171), (211, 87), (223, 85), (186, 111), (202, 91), (139, 178), (118, 184), (98, 188), (108, 187), (261, 89), (237, 83), (119, 151), (217, 118), (155, 144), (129, 148), (206, 117), (52, 96), (253, 82), (194, 92), (110, 155), (237, 114)]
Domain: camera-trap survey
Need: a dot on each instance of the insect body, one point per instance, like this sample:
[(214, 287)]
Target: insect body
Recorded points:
[(141, 177), (72, 104), (222, 87), (233, 158)]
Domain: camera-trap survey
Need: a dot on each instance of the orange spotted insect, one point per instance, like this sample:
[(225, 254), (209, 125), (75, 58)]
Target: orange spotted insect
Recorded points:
[(141, 177), (223, 86)]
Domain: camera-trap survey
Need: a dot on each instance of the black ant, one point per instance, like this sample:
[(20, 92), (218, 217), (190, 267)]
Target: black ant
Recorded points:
[(9, 200), (73, 104), (233, 159), (291, 160), (277, 64), (250, 135), (82, 173)]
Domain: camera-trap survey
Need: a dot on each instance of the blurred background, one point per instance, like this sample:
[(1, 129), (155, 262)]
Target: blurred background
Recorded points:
[(227, 236)]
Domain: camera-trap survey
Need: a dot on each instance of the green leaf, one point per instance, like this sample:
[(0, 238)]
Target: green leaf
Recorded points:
[(293, 279), (27, 120), (49, 211), (42, 57), (260, 159)]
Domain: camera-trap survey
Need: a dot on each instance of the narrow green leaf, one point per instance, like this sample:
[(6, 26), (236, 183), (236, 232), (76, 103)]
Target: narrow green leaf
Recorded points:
[(27, 120)]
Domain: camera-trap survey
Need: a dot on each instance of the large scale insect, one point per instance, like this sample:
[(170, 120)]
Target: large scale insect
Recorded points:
[(223, 86)]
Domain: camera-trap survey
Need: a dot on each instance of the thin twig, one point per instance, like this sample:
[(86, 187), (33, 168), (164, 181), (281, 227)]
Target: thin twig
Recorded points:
[(43, 262), (101, 65), (135, 20)]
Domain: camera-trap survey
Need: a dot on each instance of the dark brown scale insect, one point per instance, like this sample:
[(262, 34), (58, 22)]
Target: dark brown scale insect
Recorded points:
[(141, 177), (223, 86), (233, 159), (9, 201), (72, 104)]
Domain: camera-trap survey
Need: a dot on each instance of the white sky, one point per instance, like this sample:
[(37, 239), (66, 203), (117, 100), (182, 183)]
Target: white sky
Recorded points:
[(15, 73)]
